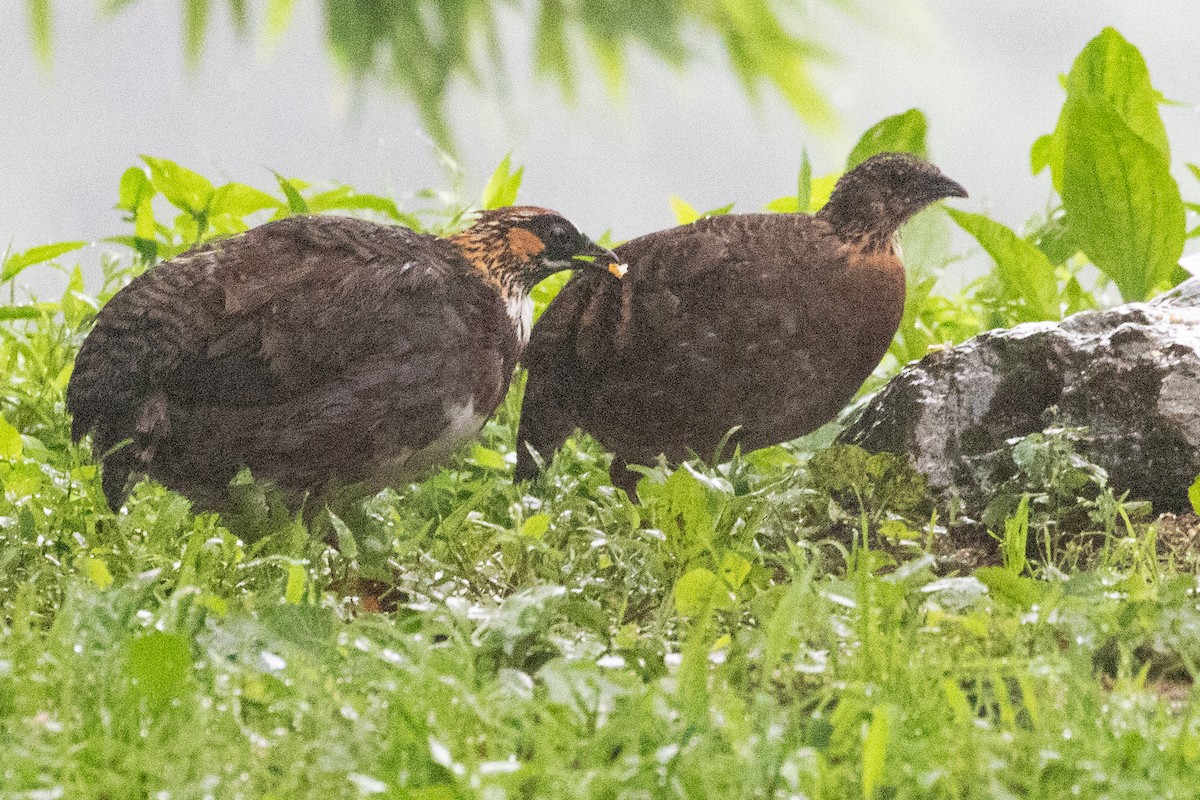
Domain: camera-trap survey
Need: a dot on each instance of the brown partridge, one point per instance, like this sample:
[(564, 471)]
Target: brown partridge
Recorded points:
[(324, 353), (764, 322)]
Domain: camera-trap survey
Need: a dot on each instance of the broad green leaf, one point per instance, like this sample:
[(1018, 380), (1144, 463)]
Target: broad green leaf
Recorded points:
[(17, 262), (186, 190), (10, 441), (241, 200), (1042, 154), (685, 212), (700, 590), (1112, 69), (875, 747), (1123, 206), (159, 663), (41, 29), (502, 186), (1194, 494), (134, 186), (684, 514), (296, 203), (98, 573), (1023, 270), (1113, 73), (734, 569), (904, 133), (136, 197)]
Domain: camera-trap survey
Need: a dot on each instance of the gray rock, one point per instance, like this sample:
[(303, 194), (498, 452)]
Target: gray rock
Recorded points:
[(1129, 375)]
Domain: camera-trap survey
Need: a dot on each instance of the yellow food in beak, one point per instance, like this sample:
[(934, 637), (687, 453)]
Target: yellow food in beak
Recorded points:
[(618, 269)]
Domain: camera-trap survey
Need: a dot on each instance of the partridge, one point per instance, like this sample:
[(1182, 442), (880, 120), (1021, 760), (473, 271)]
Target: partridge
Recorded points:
[(764, 322), (324, 353)]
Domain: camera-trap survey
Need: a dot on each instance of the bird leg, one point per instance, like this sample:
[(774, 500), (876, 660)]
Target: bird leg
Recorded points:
[(624, 478)]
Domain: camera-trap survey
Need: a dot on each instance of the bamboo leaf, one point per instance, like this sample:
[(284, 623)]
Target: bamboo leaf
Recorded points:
[(41, 29), (17, 262)]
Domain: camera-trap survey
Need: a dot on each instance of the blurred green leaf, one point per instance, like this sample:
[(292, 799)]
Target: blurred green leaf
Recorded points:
[(502, 186), (1025, 272), (535, 526), (1194, 495), (1011, 588), (279, 15), (488, 458), (734, 569), (900, 133), (159, 664), (41, 28), (98, 573), (700, 590), (10, 441), (297, 578), (1122, 204), (17, 262), (194, 26), (875, 747)]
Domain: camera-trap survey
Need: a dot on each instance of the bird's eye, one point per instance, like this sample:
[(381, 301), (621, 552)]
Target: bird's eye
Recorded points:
[(559, 235)]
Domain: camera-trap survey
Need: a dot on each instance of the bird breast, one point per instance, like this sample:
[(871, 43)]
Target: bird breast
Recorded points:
[(519, 306)]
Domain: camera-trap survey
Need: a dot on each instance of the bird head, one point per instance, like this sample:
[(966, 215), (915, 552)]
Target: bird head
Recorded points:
[(880, 194), (517, 246)]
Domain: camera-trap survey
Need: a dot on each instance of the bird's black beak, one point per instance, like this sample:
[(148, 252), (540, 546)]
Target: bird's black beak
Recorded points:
[(944, 187), (602, 257)]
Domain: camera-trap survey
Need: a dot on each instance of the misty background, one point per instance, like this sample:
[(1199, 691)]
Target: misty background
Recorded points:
[(985, 74)]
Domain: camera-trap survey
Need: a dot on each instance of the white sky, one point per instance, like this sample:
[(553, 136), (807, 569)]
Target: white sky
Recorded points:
[(985, 73)]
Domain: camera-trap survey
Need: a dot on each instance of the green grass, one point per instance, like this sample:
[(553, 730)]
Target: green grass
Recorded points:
[(799, 623), (731, 637)]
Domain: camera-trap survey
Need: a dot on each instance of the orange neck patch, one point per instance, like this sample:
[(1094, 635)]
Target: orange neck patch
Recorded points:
[(524, 244)]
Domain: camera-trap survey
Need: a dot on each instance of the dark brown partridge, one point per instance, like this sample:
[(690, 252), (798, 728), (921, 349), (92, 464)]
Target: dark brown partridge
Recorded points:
[(770, 322), (324, 353)]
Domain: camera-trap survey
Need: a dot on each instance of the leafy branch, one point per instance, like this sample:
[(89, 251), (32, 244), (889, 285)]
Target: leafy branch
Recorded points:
[(420, 48)]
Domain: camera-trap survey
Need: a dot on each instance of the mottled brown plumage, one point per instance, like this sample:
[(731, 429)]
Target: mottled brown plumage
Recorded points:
[(322, 352), (770, 322)]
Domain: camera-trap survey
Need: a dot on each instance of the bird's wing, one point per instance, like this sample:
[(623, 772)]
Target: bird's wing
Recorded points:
[(260, 317)]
